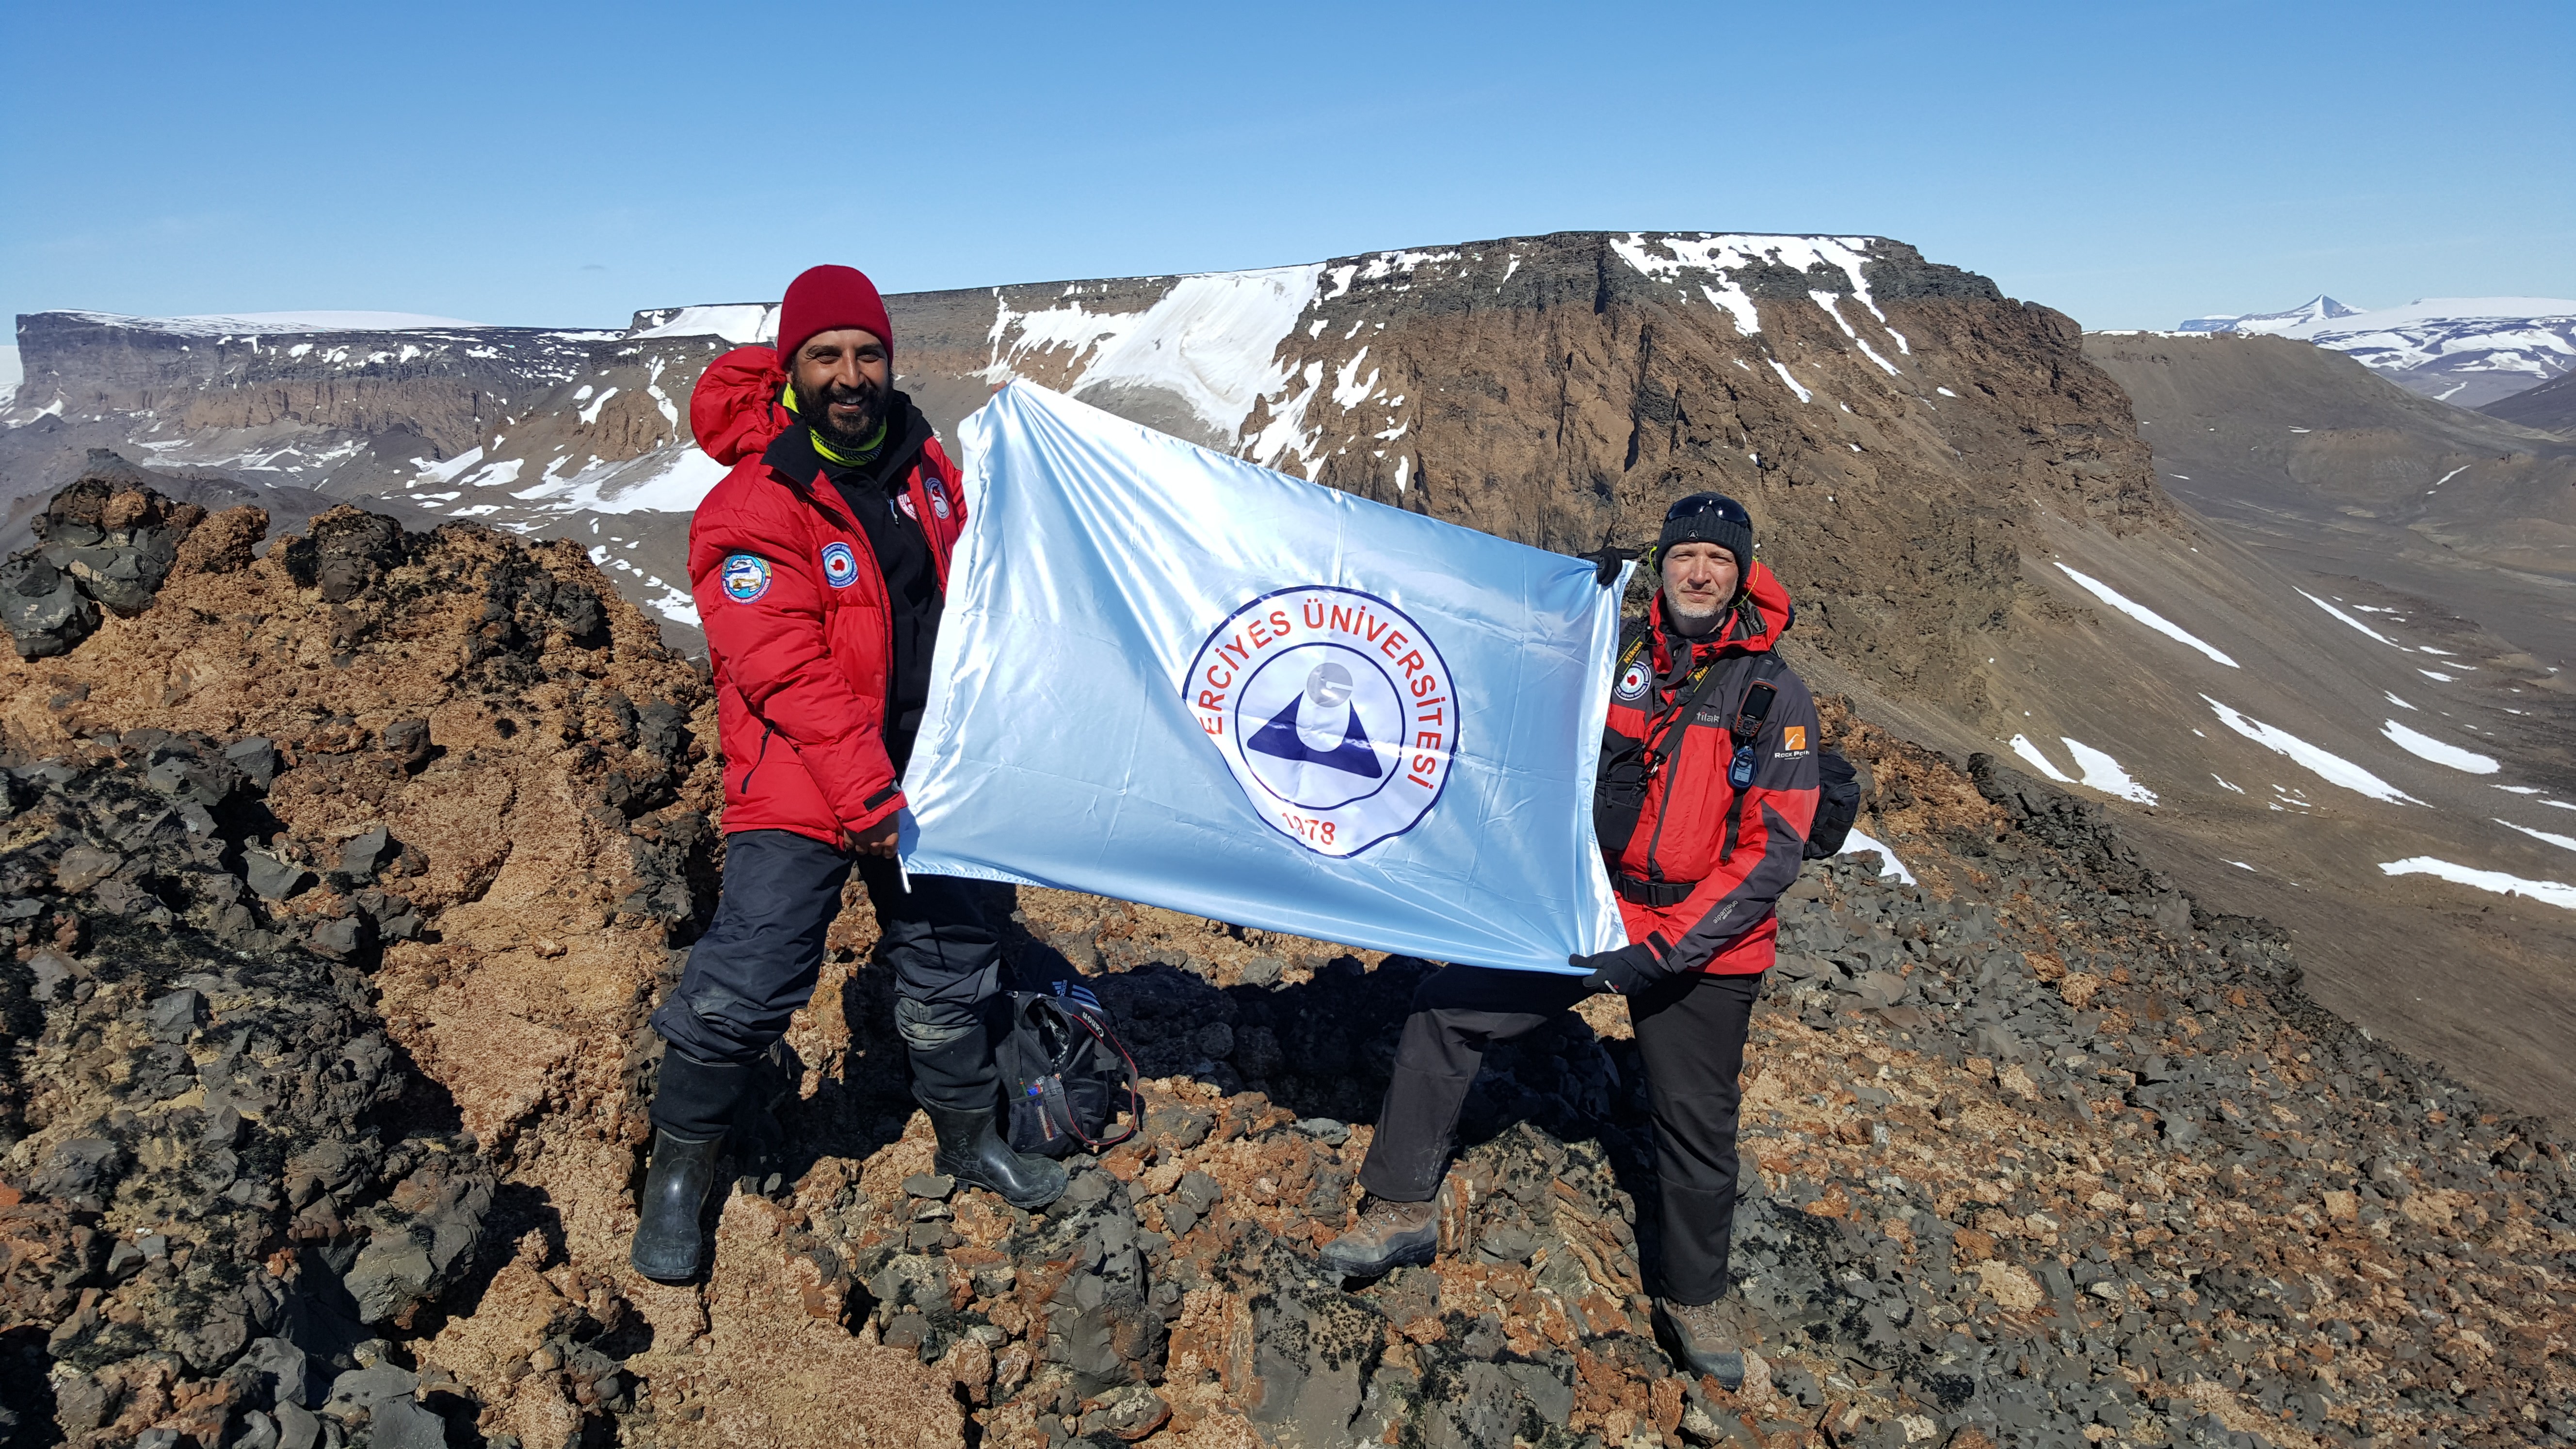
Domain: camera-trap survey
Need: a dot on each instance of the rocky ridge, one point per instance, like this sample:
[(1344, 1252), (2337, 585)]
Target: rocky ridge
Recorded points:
[(2045, 1152)]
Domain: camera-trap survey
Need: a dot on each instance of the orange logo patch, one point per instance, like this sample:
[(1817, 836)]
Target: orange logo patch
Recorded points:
[(1793, 737)]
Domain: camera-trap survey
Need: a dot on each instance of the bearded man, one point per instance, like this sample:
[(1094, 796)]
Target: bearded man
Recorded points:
[(819, 566), (1711, 761)]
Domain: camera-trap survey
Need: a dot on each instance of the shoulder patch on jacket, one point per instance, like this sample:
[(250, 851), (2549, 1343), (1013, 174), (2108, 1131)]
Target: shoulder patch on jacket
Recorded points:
[(840, 565), (1633, 681), (746, 577)]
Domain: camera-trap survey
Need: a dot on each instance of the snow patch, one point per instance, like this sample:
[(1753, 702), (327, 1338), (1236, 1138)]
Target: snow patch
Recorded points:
[(2144, 615), (2425, 747), (1782, 368), (2349, 619), (442, 474), (2029, 752), (2563, 842), (2547, 891), (1856, 843), (2332, 768), (2103, 773)]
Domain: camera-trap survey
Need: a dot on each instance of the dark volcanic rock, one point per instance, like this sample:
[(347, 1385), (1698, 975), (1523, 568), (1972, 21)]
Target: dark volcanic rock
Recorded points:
[(220, 1181), (108, 540)]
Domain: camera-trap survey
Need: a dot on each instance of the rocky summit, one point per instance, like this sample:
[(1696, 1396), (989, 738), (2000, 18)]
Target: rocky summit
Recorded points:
[(343, 869)]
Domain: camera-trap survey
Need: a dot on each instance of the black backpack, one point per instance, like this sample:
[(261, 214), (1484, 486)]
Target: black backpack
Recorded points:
[(1067, 1072), (1837, 804)]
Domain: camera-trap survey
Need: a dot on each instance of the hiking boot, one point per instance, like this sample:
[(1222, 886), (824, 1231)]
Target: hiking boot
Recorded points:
[(1697, 1334), (1388, 1236), (667, 1241), (972, 1151)]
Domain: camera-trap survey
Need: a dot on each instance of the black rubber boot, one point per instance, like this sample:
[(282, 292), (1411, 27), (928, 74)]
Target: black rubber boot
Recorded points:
[(972, 1151), (667, 1241)]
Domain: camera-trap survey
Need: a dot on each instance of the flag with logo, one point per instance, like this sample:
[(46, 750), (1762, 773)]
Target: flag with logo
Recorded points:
[(1169, 676)]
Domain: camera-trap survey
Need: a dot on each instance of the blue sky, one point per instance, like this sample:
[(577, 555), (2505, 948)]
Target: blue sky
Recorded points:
[(2130, 164)]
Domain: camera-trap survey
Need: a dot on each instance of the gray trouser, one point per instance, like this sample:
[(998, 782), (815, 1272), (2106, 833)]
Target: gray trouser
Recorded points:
[(757, 964), (1691, 1031)]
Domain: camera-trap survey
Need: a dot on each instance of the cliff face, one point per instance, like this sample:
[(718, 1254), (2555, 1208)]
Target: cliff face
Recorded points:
[(1561, 390), (194, 377)]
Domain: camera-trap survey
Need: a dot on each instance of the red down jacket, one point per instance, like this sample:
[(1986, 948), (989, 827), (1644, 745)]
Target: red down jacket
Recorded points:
[(795, 613), (1726, 924)]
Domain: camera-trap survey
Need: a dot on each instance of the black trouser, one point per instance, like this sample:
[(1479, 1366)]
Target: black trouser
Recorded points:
[(757, 964), (1691, 1031)]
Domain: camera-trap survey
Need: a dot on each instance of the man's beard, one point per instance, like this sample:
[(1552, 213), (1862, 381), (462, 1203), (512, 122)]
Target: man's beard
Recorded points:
[(1685, 616), (817, 414)]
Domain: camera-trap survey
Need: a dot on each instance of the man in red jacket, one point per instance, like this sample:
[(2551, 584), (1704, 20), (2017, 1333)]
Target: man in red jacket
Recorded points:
[(819, 565), (1711, 777)]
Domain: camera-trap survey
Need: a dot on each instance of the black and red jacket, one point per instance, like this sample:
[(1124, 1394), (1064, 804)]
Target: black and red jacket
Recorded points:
[(796, 614), (1725, 923)]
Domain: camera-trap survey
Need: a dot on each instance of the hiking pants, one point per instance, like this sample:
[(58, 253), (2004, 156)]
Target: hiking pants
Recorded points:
[(756, 967), (1691, 1030)]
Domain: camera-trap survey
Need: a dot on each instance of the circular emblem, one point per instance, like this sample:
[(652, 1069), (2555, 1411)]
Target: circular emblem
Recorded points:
[(904, 501), (1632, 684), (840, 566), (1333, 710), (746, 577), (938, 498)]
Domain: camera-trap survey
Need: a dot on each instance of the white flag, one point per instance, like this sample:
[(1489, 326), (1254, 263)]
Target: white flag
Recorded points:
[(1169, 676)]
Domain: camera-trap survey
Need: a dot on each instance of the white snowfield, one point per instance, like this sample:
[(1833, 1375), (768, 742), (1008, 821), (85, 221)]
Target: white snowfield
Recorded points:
[(2425, 747), (2455, 338), (2549, 892), (735, 322), (2332, 768), (2145, 615)]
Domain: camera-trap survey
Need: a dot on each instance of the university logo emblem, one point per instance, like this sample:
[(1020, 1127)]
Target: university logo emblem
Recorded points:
[(938, 497), (746, 577), (1632, 682), (1334, 711), (840, 566)]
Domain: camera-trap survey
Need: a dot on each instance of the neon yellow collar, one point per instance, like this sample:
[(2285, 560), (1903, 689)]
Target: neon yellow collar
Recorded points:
[(829, 454)]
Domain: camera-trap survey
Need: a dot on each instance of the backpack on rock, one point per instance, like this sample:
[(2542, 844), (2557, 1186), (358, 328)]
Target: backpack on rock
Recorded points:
[(1067, 1073)]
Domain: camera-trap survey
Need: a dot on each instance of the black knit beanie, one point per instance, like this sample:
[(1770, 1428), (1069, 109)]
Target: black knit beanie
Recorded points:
[(1710, 518)]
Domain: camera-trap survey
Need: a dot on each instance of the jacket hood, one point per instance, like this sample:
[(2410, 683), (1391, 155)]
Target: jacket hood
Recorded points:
[(1770, 600), (734, 411)]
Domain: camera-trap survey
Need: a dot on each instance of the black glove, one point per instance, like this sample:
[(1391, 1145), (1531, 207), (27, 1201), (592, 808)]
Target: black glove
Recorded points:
[(1627, 969), (1606, 562)]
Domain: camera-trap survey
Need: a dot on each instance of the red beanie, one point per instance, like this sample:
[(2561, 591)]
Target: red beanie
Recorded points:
[(827, 299)]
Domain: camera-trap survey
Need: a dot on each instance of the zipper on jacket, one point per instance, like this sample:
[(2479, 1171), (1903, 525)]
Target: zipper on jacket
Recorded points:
[(766, 730)]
